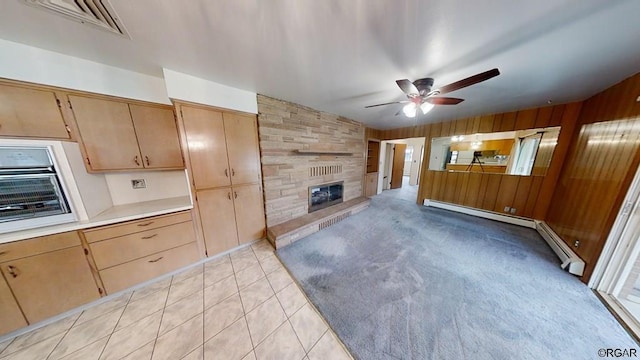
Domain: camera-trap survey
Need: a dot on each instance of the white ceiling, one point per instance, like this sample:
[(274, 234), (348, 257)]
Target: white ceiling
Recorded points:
[(341, 55)]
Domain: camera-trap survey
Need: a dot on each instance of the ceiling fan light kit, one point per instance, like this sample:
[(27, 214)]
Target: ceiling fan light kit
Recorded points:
[(420, 95)]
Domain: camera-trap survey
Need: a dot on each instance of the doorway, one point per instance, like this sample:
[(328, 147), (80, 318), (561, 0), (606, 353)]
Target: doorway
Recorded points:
[(401, 160)]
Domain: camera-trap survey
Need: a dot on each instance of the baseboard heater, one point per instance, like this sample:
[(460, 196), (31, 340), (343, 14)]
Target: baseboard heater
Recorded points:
[(570, 261)]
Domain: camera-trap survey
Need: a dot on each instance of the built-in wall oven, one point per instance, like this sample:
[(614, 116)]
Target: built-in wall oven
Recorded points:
[(31, 191)]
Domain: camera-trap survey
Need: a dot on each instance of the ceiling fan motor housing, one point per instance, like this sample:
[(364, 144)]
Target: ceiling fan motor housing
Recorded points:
[(424, 85)]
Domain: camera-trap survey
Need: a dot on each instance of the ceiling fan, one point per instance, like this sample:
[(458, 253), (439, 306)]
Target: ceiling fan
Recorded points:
[(421, 96)]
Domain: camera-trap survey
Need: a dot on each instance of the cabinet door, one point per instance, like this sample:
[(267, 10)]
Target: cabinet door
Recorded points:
[(30, 113), (207, 147), (371, 186), (52, 283), (10, 313), (249, 212), (157, 136), (218, 219), (107, 133), (242, 146)]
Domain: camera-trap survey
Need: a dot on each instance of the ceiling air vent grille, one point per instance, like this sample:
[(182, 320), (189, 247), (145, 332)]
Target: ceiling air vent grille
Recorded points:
[(98, 13)]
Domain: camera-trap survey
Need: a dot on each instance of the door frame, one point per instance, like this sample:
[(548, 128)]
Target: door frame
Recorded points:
[(621, 249)]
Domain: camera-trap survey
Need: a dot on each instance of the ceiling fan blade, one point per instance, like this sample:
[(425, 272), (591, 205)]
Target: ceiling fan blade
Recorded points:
[(469, 81), (389, 103), (444, 100), (407, 87)]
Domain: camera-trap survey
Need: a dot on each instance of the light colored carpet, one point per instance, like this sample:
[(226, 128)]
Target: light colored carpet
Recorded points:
[(402, 281)]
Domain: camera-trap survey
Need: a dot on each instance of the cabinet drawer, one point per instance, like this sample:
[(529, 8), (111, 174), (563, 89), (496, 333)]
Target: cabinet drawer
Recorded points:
[(23, 248), (134, 272), (131, 227), (114, 251)]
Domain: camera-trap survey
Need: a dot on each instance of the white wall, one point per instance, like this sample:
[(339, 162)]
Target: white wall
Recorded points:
[(190, 88), (28, 63), (160, 185), (93, 188)]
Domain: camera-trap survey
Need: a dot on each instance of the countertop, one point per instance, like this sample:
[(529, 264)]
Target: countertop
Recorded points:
[(110, 216)]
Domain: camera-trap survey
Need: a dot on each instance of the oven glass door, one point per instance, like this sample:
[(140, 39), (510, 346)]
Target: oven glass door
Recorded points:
[(29, 196)]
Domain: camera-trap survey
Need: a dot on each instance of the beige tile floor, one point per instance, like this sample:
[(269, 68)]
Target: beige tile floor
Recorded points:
[(244, 305)]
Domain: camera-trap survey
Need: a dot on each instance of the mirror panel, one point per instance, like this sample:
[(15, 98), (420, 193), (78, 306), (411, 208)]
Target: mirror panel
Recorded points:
[(522, 152)]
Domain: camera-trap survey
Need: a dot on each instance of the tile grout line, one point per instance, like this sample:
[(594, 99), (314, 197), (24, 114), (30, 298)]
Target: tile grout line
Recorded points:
[(244, 313), (116, 325), (155, 341), (66, 333), (275, 293)]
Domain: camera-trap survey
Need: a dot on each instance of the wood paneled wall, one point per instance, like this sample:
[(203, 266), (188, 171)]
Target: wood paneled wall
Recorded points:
[(530, 195), (599, 167)]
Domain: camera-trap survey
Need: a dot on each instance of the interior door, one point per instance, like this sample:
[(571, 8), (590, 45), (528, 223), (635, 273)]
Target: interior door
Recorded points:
[(398, 165), (207, 147)]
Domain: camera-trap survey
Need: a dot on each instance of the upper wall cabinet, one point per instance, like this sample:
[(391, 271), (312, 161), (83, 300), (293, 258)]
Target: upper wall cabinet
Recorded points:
[(29, 112), (223, 147), (116, 135)]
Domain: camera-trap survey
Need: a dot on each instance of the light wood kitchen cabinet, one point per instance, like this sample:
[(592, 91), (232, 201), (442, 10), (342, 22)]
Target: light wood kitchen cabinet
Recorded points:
[(136, 251), (218, 219), (241, 132), (371, 185), (12, 318), (207, 146), (249, 210), (223, 147), (157, 136), (231, 216), (224, 160), (31, 112), (46, 283), (116, 135)]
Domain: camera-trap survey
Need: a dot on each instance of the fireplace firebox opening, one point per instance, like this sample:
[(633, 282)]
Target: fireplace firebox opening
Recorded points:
[(325, 195)]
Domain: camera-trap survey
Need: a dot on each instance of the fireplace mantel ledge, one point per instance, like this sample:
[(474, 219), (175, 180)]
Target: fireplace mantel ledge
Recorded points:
[(332, 152)]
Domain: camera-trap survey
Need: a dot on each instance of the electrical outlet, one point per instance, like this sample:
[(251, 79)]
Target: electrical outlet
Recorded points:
[(138, 184), (513, 210), (507, 209), (576, 243)]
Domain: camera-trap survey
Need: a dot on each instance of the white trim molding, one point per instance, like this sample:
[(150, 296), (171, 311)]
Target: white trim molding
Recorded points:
[(570, 260), (482, 213)]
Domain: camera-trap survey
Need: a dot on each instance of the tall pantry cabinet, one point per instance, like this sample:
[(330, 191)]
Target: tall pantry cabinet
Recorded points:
[(224, 159)]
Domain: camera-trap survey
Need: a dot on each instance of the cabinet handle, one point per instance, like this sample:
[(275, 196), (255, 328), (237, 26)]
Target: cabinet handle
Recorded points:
[(146, 224), (135, 160), (146, 158), (233, 172), (12, 270), (229, 195), (235, 195), (149, 237), (226, 172), (156, 260)]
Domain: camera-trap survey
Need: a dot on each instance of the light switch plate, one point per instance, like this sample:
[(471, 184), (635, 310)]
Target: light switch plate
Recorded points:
[(138, 184)]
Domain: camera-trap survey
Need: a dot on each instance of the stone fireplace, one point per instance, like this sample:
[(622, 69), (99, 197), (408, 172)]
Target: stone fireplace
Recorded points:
[(302, 148), (325, 195)]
